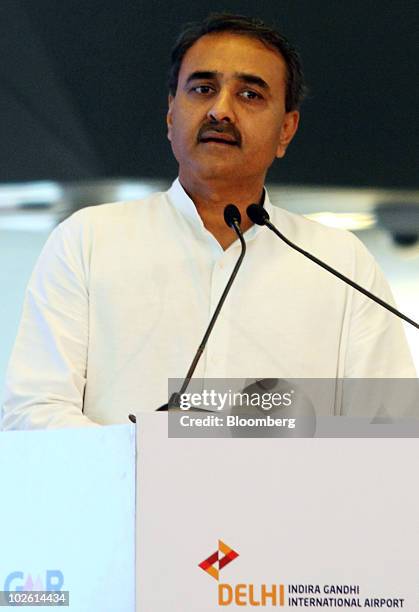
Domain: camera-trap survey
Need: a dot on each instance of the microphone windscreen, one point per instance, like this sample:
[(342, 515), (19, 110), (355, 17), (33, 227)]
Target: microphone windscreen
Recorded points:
[(232, 215), (257, 214)]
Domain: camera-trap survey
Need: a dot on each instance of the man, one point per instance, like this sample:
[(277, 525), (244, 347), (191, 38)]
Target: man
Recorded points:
[(122, 293)]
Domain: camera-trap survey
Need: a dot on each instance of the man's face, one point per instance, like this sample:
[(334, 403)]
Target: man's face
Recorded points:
[(228, 119)]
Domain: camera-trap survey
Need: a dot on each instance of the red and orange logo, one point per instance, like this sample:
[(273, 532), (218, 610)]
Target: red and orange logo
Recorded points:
[(222, 557)]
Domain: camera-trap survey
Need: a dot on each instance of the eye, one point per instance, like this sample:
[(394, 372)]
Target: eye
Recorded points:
[(249, 94), (202, 89)]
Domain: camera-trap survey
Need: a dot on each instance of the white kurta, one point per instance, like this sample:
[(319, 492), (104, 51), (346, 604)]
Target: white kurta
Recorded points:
[(122, 294)]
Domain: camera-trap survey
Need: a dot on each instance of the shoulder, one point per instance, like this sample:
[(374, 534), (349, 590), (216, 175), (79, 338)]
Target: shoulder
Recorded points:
[(114, 212), (115, 223), (308, 230), (103, 227), (337, 247)]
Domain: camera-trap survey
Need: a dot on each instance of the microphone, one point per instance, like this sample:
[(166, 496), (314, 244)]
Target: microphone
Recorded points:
[(232, 218), (259, 215)]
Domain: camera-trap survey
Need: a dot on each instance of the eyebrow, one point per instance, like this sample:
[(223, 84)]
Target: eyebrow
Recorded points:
[(251, 79)]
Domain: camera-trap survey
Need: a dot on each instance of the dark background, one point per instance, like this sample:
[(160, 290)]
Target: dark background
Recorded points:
[(83, 88)]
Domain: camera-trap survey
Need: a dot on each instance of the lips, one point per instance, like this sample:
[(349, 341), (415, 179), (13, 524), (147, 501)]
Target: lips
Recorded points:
[(219, 137)]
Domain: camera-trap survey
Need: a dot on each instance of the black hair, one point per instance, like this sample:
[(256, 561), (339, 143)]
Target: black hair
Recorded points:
[(226, 22)]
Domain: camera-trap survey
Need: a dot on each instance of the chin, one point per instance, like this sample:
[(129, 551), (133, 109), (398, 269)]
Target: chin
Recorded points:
[(212, 168)]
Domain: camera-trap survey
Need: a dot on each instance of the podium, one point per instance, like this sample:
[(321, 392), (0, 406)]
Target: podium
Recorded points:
[(239, 523), (201, 525)]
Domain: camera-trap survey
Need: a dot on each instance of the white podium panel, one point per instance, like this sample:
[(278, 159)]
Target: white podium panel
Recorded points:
[(67, 515), (297, 524)]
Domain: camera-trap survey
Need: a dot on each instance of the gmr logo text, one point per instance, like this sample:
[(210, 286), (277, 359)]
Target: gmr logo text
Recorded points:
[(17, 581)]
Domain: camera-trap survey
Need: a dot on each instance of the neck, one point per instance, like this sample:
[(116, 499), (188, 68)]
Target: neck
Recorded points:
[(210, 200)]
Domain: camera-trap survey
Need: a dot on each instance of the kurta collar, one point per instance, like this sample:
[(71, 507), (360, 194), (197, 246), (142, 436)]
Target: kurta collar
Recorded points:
[(184, 204)]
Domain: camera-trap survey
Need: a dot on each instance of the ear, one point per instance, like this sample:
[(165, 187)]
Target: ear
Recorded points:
[(169, 118), (288, 130)]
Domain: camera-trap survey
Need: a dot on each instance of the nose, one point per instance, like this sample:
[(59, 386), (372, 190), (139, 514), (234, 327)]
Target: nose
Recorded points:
[(222, 108)]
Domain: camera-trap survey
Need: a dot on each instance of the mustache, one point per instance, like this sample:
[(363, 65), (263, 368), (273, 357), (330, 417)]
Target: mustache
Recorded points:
[(221, 128)]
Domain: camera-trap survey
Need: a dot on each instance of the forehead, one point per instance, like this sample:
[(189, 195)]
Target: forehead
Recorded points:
[(234, 53)]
